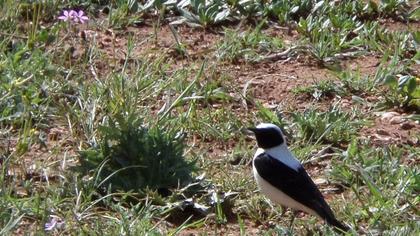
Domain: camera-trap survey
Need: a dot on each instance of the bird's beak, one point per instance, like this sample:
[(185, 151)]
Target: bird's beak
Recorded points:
[(250, 131)]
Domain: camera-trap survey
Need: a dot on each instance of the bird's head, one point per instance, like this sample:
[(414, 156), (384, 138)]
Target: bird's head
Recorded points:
[(268, 135)]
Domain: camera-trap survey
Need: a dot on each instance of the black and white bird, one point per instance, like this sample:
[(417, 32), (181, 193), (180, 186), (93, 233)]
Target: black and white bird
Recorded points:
[(283, 179)]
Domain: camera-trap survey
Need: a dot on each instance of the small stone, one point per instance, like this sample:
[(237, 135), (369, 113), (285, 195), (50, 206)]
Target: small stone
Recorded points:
[(389, 115), (320, 181), (396, 120), (407, 126), (382, 132), (382, 138)]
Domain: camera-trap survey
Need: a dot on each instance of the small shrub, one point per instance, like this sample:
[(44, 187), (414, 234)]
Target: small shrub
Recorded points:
[(405, 91), (132, 157), (332, 126), (248, 45), (322, 89)]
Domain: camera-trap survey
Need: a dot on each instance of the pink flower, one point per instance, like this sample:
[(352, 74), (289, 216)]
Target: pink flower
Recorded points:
[(51, 224), (68, 15), (54, 223), (80, 17), (74, 16)]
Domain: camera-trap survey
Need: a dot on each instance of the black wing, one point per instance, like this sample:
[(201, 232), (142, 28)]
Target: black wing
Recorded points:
[(296, 184)]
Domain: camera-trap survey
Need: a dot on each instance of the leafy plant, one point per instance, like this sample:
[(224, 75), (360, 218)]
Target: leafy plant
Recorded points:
[(406, 89), (355, 83), (125, 13), (256, 207), (204, 13), (395, 8), (248, 45), (380, 180), (132, 157), (289, 11), (325, 88), (180, 48), (23, 84), (332, 126)]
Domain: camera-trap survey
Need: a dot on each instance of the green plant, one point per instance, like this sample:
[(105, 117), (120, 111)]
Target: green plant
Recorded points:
[(248, 45), (332, 126), (258, 208), (204, 13), (325, 88), (395, 8), (355, 83), (125, 13), (268, 115), (406, 90), (248, 9), (24, 77), (288, 11), (132, 157), (180, 47), (386, 188)]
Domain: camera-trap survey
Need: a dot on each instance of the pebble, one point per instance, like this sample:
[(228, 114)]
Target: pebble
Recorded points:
[(396, 120), (382, 132), (389, 115), (407, 126)]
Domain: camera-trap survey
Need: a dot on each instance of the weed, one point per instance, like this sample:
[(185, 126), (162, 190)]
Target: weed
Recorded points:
[(124, 13), (133, 157), (405, 90), (332, 126), (384, 187), (325, 88), (251, 44), (288, 11), (205, 13), (256, 207), (355, 83), (24, 90)]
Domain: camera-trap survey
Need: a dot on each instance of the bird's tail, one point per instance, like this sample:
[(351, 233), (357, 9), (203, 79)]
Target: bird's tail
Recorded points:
[(337, 224)]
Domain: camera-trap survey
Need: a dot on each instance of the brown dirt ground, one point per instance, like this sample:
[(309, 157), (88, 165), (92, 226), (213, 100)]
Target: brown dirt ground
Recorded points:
[(398, 26)]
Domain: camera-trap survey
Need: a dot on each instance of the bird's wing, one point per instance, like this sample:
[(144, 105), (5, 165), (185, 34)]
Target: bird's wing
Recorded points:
[(296, 184)]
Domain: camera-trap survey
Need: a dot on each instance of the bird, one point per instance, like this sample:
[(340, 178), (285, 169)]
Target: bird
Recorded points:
[(282, 178)]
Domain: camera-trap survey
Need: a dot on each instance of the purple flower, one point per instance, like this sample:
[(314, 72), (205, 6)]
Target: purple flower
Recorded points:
[(51, 225), (80, 17), (74, 16), (55, 222), (68, 15)]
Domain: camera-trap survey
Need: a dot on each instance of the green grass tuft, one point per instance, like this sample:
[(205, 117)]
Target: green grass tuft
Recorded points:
[(131, 156)]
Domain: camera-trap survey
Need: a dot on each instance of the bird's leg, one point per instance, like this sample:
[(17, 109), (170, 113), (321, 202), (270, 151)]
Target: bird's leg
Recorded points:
[(292, 220)]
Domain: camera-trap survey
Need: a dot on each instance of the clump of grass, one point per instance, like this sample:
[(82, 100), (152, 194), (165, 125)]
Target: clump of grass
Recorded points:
[(403, 87), (332, 126), (258, 208), (384, 186), (355, 83), (248, 45), (133, 157), (325, 88), (405, 91), (24, 76)]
